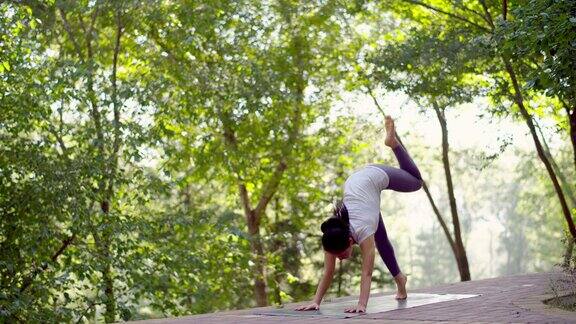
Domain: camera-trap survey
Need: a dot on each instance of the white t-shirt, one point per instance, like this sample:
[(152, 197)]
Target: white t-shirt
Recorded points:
[(362, 200)]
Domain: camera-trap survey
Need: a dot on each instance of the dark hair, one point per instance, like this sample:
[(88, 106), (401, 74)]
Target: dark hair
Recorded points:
[(336, 230)]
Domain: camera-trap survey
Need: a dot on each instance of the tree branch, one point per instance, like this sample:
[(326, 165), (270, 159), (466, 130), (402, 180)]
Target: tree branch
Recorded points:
[(270, 189), (91, 304), (28, 281), (487, 13), (70, 34), (91, 29), (300, 83), (376, 103), (232, 142), (457, 17), (245, 199), (173, 55), (59, 140), (474, 12), (116, 106), (92, 98)]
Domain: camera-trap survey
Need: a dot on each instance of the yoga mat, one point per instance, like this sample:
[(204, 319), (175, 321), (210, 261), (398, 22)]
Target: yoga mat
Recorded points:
[(375, 305)]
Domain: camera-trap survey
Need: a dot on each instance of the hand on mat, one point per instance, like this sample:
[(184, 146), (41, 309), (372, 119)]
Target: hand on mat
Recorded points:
[(312, 306), (358, 309)]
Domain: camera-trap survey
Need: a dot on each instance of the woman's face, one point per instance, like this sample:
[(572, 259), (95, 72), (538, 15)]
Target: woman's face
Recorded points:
[(346, 253)]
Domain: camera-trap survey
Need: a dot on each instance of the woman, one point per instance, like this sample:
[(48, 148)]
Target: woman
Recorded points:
[(357, 220)]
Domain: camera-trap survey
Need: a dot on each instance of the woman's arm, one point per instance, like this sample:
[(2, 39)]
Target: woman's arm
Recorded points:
[(329, 265), (367, 247)]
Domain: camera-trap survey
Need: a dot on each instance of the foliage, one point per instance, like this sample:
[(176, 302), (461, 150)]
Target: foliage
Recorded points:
[(128, 130), (544, 32), (429, 65)]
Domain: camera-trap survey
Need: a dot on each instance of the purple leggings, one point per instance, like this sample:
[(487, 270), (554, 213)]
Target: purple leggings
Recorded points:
[(405, 179)]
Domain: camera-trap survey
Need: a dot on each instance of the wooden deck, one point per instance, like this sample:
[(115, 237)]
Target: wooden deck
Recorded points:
[(513, 299)]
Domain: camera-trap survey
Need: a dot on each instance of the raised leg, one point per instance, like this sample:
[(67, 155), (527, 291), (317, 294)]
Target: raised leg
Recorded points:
[(407, 178), (400, 180), (406, 162)]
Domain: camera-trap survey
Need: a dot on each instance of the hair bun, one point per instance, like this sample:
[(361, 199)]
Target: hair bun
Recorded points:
[(331, 223)]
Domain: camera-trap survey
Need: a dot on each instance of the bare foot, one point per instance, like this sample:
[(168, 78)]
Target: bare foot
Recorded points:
[(401, 280), (391, 139)]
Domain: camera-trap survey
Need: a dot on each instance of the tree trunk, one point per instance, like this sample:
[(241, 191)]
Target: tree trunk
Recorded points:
[(108, 281), (520, 103), (112, 168), (107, 159), (277, 295), (110, 315), (440, 219), (572, 119), (461, 257), (566, 186), (455, 249), (568, 254), (259, 258), (253, 215)]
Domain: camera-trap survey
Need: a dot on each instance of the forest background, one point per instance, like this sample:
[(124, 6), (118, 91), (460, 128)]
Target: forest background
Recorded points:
[(161, 158)]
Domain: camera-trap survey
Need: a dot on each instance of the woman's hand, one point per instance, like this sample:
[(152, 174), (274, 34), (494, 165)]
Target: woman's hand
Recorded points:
[(358, 309), (313, 306)]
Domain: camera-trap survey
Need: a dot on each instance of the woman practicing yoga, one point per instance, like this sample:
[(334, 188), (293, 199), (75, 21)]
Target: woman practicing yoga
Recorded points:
[(357, 220)]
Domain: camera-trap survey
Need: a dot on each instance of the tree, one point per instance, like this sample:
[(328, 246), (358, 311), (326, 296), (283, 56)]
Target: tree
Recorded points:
[(41, 214), (85, 128), (543, 33), (266, 88), (480, 21), (428, 66)]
